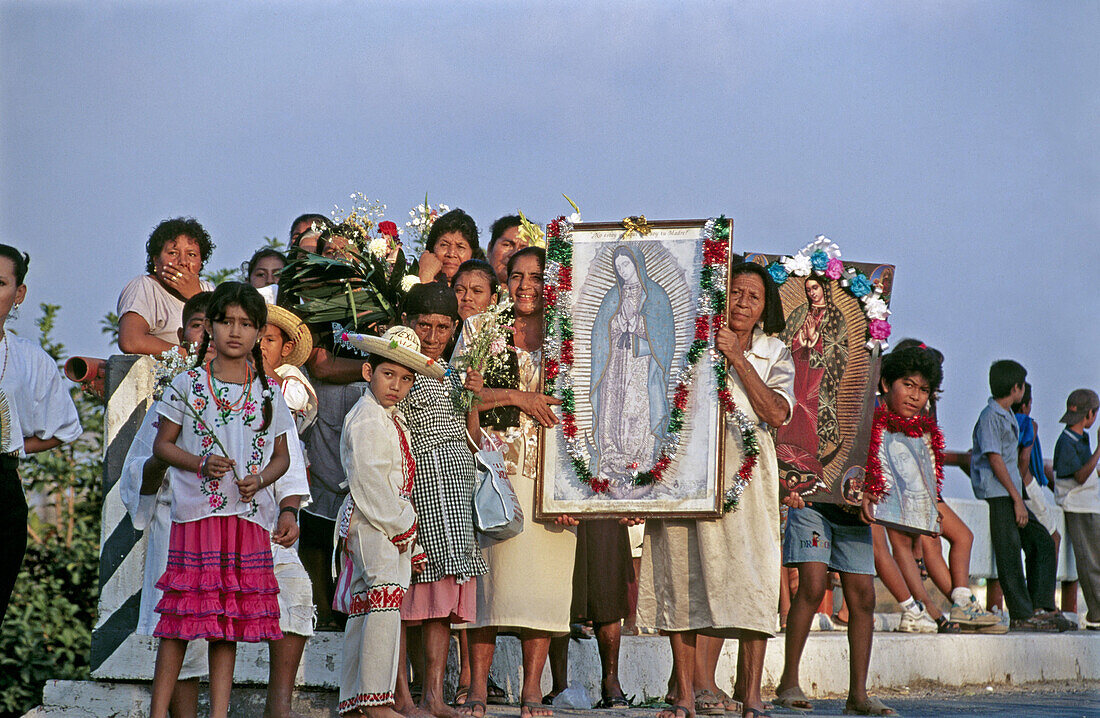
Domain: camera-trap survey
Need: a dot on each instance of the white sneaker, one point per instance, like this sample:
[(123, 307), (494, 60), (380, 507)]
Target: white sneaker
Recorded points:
[(917, 622)]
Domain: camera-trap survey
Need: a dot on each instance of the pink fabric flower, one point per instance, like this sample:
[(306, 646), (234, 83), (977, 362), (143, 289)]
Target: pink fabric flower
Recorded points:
[(834, 268), (879, 329)]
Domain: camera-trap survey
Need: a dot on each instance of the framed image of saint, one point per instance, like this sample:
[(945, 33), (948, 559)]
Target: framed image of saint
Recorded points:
[(836, 314), (908, 466), (641, 422)]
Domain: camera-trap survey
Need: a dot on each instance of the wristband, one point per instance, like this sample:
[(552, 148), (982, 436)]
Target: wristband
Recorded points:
[(291, 509)]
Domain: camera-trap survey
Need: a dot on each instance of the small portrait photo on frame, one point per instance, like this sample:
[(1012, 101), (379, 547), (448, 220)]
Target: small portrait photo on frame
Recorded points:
[(635, 386), (836, 314)]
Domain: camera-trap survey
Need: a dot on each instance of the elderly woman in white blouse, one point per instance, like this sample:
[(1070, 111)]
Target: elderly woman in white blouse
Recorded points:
[(36, 414), (703, 581)]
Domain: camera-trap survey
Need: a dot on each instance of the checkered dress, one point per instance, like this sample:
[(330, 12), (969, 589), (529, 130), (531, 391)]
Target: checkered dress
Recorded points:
[(443, 493)]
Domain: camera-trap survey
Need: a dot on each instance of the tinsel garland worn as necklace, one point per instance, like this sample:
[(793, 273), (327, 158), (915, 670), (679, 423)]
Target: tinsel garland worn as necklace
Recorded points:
[(921, 425), (710, 313)]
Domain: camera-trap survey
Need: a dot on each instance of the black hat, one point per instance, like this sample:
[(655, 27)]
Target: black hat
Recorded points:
[(431, 298)]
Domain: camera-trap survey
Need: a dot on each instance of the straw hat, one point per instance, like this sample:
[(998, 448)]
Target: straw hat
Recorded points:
[(294, 328), (400, 345)]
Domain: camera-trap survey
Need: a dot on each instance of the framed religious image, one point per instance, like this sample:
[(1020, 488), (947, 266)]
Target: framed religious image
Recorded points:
[(907, 462), (630, 311), (837, 323)]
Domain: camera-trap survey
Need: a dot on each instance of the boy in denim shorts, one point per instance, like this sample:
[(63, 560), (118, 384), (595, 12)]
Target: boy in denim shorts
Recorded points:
[(820, 538)]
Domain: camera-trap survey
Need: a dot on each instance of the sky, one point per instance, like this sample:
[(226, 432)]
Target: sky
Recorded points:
[(957, 140)]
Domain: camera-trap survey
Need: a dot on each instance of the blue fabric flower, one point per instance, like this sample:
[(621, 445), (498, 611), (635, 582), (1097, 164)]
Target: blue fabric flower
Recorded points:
[(860, 285), (820, 260), (779, 274)]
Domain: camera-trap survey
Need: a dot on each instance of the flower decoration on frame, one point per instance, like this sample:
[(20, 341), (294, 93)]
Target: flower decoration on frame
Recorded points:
[(821, 258)]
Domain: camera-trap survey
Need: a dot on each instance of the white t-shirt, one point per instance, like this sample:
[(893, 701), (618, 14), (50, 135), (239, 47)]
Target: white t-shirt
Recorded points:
[(161, 309), (38, 402), (238, 431)]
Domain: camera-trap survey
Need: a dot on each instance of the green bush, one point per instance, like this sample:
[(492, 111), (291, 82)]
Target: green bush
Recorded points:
[(48, 628)]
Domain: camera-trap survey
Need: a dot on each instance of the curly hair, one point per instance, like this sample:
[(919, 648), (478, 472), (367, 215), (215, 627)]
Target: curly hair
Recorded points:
[(170, 229), (911, 360), (454, 221)]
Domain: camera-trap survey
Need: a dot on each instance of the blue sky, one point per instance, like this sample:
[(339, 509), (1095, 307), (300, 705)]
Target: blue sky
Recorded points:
[(957, 140)]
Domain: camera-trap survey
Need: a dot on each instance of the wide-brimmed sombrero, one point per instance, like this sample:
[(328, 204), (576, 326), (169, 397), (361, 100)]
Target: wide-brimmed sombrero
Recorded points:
[(294, 328), (399, 344)]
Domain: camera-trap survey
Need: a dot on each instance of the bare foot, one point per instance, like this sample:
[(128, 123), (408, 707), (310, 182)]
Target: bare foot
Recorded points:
[(436, 706), (677, 710), (473, 708), (378, 712), (410, 710)]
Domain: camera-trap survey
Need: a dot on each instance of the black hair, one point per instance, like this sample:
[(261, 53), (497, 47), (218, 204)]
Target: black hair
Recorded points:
[(911, 360), (250, 265), (1004, 375), (454, 221), (910, 342), (196, 304), (478, 265), (537, 252), (376, 359), (21, 260), (313, 218), (248, 298), (169, 229), (774, 321), (501, 226), (1018, 407), (430, 298)]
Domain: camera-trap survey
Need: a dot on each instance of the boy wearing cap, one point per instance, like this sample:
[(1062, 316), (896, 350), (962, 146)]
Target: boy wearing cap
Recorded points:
[(1078, 492), (378, 521), (995, 475)]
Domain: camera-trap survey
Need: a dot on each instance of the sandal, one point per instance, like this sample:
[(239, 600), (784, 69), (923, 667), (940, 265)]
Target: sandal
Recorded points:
[(793, 699), (548, 699), (676, 711), (730, 704), (461, 693), (495, 695), (469, 707), (533, 706), (873, 707), (708, 704), (612, 702), (754, 713)]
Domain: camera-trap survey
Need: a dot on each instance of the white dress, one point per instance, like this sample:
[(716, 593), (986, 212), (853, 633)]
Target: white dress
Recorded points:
[(721, 576)]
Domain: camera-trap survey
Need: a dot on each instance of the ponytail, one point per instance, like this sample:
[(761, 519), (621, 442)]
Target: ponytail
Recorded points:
[(204, 345), (258, 360)]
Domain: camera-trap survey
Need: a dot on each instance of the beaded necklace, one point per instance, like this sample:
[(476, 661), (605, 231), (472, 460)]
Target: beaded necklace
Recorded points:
[(224, 404)]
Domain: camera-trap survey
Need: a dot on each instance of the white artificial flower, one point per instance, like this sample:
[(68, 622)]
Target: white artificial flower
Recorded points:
[(575, 218), (379, 247), (798, 265), (823, 244), (409, 281), (875, 308)]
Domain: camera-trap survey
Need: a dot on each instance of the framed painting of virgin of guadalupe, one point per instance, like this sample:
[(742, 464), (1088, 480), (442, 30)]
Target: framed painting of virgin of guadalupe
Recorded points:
[(641, 427), (837, 325)]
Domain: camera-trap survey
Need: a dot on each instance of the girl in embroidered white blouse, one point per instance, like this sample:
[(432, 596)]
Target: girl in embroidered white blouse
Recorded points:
[(36, 414), (223, 448)]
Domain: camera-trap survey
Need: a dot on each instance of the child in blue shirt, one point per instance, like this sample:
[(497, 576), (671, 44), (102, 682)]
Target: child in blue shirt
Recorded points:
[(995, 475), (1078, 490)]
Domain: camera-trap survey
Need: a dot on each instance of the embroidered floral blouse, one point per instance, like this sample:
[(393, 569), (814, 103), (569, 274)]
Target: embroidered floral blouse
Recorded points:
[(238, 430)]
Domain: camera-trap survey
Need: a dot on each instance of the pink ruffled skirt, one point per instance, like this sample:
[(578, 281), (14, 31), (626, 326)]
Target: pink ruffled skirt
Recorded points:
[(220, 583)]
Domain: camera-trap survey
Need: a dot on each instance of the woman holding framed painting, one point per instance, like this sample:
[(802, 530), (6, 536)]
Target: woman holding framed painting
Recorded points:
[(703, 581)]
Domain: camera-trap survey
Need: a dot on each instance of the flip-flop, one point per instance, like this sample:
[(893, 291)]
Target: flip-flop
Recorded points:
[(533, 706), (793, 699), (873, 707), (470, 706), (612, 702), (548, 699), (708, 704), (676, 711), (461, 693)]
